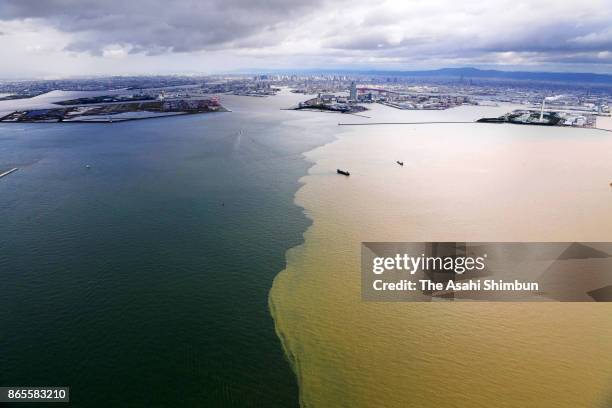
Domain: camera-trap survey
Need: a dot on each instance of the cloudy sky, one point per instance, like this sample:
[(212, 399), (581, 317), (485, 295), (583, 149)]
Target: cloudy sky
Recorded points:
[(51, 38)]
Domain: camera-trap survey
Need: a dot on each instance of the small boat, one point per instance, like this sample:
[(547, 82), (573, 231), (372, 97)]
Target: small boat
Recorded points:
[(344, 173), (87, 166), (400, 163)]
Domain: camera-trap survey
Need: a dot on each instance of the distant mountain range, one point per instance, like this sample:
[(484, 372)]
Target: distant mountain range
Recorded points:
[(574, 77)]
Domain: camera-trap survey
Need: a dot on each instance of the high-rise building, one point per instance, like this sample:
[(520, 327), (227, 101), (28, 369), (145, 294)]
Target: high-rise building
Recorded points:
[(353, 96)]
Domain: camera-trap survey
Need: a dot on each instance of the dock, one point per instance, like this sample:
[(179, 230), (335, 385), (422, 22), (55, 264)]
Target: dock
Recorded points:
[(6, 173)]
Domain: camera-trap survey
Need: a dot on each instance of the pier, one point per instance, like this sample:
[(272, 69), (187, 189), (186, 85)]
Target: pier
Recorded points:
[(6, 173), (400, 123)]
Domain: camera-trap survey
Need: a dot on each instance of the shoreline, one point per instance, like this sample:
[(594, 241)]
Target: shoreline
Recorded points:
[(117, 120)]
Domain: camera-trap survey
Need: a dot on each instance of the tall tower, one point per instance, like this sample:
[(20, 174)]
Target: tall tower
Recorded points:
[(353, 96)]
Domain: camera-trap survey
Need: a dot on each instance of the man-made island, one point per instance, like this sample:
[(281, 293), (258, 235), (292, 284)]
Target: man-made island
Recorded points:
[(542, 118), (115, 111), (331, 103)]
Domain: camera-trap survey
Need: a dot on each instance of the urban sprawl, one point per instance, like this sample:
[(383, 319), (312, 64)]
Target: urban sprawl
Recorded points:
[(126, 98)]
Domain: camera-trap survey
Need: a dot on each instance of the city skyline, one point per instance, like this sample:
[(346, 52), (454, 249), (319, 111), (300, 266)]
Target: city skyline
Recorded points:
[(64, 38)]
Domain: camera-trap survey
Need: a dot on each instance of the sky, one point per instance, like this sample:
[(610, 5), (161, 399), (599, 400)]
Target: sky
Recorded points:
[(66, 38)]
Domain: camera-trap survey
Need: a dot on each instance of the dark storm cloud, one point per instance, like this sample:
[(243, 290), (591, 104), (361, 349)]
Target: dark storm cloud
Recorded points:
[(156, 26), (341, 31)]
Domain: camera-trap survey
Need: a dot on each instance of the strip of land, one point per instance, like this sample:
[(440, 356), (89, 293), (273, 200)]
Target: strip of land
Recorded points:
[(116, 112)]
